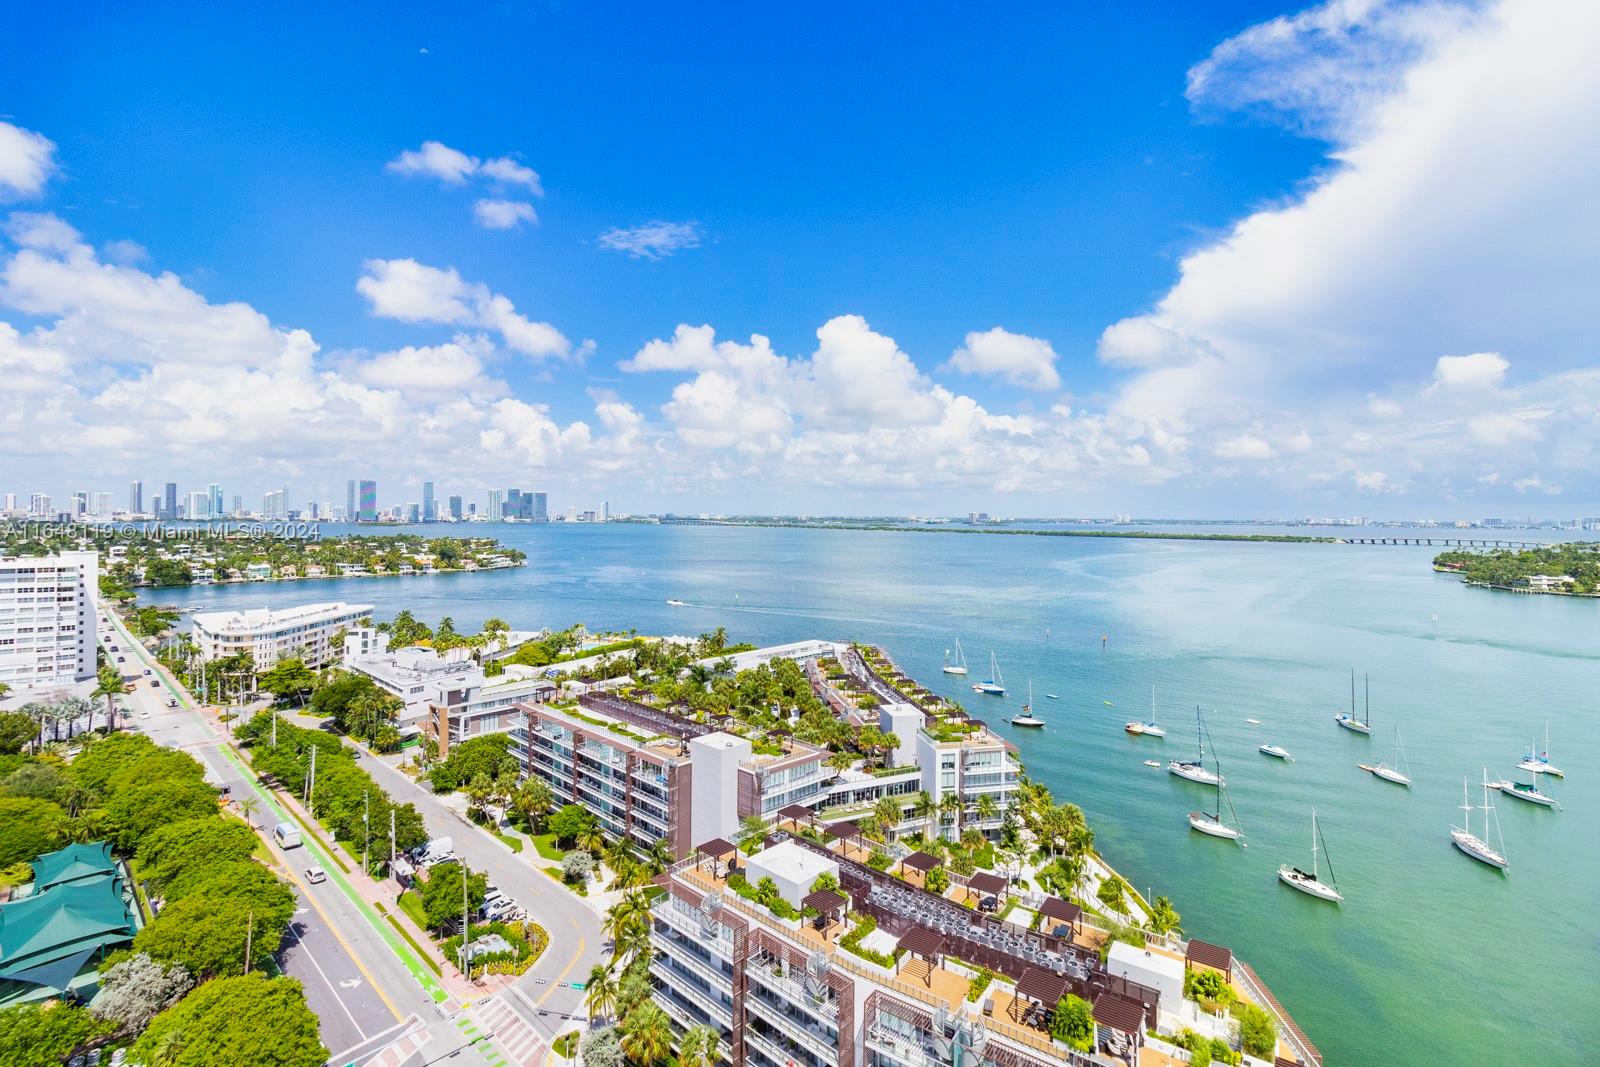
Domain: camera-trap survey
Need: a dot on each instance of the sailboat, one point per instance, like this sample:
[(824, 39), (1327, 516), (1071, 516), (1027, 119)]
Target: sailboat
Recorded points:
[(1478, 847), (1528, 791), (1392, 774), (1539, 761), (1350, 722), (995, 685), (1148, 728), (1027, 717), (957, 665), (1194, 770), (1312, 884), (1213, 823)]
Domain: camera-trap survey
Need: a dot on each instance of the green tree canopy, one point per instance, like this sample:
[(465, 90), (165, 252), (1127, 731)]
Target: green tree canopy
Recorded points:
[(17, 731), (488, 755), (193, 843), (570, 823), (249, 1019), (1258, 1032), (1073, 1022), (28, 827), (35, 1036), (288, 679), (441, 893)]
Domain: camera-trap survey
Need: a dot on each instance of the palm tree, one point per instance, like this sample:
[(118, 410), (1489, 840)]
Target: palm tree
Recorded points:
[(700, 1046), (479, 790), (647, 1035), (987, 807), (888, 813), (926, 808), (247, 808), (600, 992), (592, 840), (533, 801), (700, 675)]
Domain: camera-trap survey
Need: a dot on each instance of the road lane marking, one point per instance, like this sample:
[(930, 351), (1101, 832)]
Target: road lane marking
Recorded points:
[(348, 1014)]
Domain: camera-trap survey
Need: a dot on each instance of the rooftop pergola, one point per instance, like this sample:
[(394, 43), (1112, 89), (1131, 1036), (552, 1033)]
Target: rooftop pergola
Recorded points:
[(1208, 955), (797, 815), (927, 944), (1045, 989), (986, 884), (716, 856), (1057, 912), (829, 905)]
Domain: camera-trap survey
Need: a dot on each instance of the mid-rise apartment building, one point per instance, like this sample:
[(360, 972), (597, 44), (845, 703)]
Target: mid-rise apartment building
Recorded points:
[(652, 775), (47, 619), (306, 632), (448, 696)]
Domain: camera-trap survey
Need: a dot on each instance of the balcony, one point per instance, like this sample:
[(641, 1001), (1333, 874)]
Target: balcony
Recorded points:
[(900, 1048), (677, 980), (817, 1040)]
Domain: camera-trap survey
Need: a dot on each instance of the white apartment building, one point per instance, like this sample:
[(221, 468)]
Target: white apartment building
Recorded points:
[(47, 619), (306, 631), (447, 695)]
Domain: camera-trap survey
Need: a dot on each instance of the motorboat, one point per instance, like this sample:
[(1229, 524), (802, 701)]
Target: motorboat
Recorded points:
[(1276, 752)]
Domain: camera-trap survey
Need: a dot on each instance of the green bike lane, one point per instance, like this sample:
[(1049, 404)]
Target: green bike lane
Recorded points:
[(311, 840)]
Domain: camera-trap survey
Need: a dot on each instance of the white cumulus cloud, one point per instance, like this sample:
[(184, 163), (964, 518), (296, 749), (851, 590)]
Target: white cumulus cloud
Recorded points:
[(653, 240), (494, 214), (1014, 357), (413, 292), (27, 160)]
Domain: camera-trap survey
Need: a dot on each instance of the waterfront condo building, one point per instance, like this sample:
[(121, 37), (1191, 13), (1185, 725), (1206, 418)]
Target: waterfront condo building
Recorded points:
[(448, 696), (306, 632), (652, 775), (47, 619)]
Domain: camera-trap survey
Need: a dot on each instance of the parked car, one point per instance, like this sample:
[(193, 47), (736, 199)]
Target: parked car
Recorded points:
[(155, 683), (172, 702), (316, 875), (147, 672), (144, 714), (122, 659)]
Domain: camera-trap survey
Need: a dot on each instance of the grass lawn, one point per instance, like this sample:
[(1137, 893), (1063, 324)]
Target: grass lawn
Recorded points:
[(555, 872), (411, 904), (513, 843), (546, 844), (567, 1044)]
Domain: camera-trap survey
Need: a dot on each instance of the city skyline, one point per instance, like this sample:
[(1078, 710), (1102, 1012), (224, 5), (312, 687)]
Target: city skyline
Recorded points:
[(1079, 278)]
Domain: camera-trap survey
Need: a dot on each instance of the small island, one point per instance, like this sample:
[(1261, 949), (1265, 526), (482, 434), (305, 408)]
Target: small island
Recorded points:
[(140, 555), (1571, 569)]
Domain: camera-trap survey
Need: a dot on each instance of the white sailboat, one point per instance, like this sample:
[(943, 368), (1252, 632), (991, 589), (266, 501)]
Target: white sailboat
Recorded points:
[(1538, 760), (1349, 721), (1194, 770), (958, 665), (1212, 822), (1392, 774), (994, 685), (1311, 883), (1027, 718), (1478, 847), (1147, 728), (1528, 791)]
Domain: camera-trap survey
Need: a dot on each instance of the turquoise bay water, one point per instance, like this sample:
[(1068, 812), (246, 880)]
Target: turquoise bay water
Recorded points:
[(1432, 959)]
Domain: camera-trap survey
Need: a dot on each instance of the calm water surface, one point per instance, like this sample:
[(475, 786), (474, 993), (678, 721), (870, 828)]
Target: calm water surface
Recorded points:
[(1432, 959)]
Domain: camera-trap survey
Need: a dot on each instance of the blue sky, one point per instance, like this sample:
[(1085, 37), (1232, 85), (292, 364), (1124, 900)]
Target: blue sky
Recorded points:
[(933, 171)]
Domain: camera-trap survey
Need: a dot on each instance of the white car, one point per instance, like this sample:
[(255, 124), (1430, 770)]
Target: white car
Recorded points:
[(144, 714), (316, 875)]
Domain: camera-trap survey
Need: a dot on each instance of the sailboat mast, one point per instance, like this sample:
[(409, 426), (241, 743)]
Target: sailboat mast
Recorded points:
[(1366, 680), (1314, 844)]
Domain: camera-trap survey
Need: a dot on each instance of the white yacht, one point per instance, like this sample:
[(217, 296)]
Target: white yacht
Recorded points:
[(1148, 727), (1392, 774), (1528, 791), (1212, 822), (1538, 761), (1027, 718), (994, 685), (1478, 847), (1194, 770), (1311, 883), (958, 665), (1276, 752), (1349, 720)]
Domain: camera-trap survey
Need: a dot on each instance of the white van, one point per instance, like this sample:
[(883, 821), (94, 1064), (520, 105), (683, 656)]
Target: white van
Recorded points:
[(287, 835), (437, 850)]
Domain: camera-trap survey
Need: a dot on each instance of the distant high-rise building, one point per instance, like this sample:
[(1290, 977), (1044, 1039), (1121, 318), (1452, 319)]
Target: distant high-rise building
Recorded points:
[(605, 511), (369, 501), (541, 508), (214, 497), (197, 506), (413, 512), (472, 511), (350, 500), (171, 507), (513, 509), (495, 505), (428, 513), (80, 503), (39, 506), (11, 502), (136, 497), (238, 504), (100, 505), (455, 508), (275, 505)]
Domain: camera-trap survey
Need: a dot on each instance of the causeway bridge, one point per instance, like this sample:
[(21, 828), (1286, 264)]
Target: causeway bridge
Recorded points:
[(1444, 542)]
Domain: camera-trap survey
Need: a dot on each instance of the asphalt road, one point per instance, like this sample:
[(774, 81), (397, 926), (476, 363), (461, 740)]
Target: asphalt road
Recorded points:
[(543, 995), (353, 981)]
